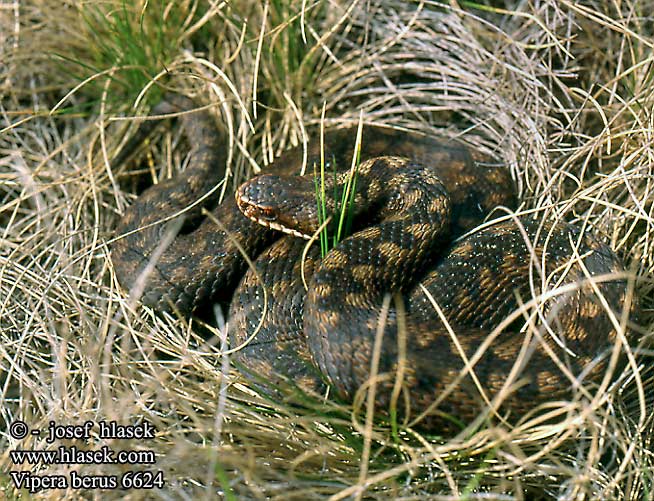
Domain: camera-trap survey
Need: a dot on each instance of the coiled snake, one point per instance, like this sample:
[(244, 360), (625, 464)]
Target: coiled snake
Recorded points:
[(442, 297)]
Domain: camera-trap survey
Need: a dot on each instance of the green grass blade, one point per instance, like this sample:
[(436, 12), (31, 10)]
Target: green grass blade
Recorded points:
[(346, 212)]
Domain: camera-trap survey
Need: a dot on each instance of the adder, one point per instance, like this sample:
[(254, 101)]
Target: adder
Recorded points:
[(444, 323)]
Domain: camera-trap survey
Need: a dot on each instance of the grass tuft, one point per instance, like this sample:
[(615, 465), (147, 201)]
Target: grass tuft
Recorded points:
[(344, 203), (118, 49)]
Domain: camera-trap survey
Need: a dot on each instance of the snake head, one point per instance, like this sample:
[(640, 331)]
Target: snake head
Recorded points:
[(283, 203)]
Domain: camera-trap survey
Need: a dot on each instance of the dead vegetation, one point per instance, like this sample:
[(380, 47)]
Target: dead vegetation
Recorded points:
[(562, 92)]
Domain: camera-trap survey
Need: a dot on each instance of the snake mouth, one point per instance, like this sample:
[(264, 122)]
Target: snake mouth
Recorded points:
[(273, 225), (265, 216)]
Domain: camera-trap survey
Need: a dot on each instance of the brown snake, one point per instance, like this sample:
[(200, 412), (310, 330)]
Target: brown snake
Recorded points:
[(410, 208)]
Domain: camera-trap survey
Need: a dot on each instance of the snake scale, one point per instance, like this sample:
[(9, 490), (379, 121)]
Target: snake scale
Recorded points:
[(403, 278)]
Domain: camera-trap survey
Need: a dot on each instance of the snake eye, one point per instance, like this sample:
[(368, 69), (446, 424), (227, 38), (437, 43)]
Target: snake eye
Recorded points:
[(267, 213)]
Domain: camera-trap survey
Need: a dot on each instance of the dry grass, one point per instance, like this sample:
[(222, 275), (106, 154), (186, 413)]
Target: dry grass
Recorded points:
[(560, 91)]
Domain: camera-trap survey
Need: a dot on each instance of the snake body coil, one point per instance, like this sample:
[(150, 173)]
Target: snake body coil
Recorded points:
[(442, 297)]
